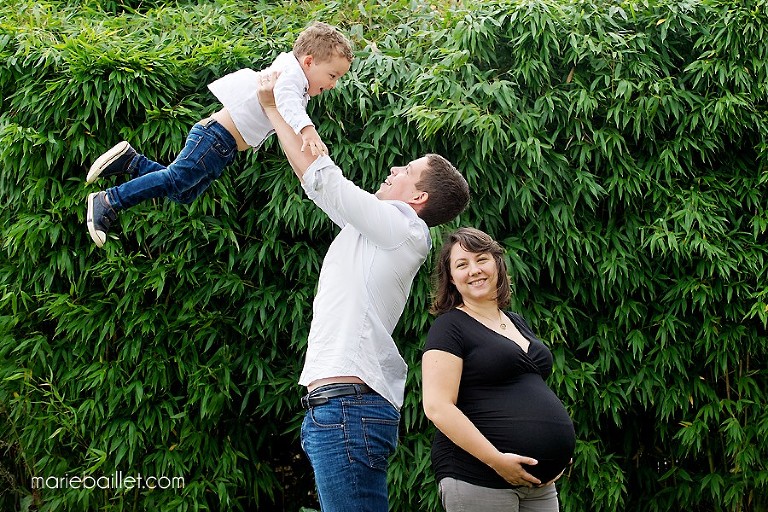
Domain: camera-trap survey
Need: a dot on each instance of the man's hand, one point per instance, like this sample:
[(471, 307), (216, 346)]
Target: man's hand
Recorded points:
[(289, 140), (309, 137), (266, 88)]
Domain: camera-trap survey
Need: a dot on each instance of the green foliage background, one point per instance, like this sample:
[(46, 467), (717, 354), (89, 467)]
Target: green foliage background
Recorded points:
[(617, 150)]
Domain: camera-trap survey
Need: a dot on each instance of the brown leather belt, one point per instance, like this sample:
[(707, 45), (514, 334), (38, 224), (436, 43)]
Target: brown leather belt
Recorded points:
[(321, 395)]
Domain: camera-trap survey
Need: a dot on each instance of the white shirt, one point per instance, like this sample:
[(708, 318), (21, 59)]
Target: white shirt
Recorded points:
[(238, 93), (364, 283)]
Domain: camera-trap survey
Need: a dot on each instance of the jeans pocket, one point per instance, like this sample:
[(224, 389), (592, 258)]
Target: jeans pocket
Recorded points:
[(222, 150), (201, 161), (191, 145), (327, 417), (380, 440)]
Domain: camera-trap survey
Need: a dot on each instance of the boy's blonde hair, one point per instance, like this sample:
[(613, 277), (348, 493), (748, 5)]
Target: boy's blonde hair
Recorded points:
[(323, 42)]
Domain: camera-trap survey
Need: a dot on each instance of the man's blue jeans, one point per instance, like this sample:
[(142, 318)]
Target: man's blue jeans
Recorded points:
[(209, 148), (349, 441)]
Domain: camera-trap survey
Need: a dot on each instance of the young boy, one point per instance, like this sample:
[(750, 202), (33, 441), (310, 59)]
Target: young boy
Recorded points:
[(320, 56)]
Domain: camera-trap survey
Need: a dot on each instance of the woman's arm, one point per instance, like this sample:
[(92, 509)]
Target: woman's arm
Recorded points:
[(441, 374)]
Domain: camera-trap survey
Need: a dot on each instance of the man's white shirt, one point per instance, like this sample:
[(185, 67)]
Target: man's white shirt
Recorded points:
[(364, 283)]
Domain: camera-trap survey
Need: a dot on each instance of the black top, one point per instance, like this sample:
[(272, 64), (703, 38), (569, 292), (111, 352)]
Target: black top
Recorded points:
[(502, 391)]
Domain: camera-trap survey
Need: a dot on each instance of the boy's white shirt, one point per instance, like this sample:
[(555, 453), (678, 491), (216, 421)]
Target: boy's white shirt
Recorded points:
[(238, 93), (364, 284)]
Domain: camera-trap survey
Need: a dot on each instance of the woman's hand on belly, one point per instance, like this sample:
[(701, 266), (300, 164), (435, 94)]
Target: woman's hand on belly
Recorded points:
[(510, 467)]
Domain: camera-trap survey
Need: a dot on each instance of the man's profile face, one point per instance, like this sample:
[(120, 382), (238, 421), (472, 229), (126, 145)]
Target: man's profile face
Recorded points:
[(400, 185)]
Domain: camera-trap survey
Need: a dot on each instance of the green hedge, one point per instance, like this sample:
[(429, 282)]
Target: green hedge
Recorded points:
[(617, 150)]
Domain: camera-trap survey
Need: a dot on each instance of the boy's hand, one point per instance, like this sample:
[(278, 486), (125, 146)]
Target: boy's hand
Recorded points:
[(310, 139)]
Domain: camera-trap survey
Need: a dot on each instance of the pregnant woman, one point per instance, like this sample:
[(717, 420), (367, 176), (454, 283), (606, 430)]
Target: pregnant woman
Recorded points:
[(503, 436)]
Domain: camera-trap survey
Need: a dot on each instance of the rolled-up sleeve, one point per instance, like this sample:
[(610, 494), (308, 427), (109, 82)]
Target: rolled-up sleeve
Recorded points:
[(382, 222)]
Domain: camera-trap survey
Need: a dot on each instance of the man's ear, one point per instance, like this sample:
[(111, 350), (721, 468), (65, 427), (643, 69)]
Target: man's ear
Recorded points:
[(420, 198), (418, 201)]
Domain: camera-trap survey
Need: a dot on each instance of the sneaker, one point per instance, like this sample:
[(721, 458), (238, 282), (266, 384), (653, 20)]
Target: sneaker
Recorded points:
[(100, 217), (113, 162)]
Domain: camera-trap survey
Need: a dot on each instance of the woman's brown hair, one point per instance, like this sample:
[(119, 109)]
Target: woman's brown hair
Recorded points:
[(446, 296)]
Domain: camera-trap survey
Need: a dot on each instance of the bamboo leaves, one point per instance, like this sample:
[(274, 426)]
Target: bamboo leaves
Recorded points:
[(617, 151)]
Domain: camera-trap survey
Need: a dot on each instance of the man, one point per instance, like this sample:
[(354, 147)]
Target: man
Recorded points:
[(354, 374)]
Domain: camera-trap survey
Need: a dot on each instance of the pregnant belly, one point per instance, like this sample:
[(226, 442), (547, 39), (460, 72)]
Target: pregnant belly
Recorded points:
[(548, 468), (536, 425), (550, 443)]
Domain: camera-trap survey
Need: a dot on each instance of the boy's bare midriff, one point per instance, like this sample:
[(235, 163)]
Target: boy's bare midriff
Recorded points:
[(225, 120)]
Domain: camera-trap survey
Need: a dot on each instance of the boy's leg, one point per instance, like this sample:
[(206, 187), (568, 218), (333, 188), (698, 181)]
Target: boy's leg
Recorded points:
[(121, 159), (349, 441), (115, 161), (99, 218), (208, 149)]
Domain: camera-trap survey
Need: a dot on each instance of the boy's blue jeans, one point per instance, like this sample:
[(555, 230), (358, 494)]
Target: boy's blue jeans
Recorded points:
[(209, 148), (349, 441)]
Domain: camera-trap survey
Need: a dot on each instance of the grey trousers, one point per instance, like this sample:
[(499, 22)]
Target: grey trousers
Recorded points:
[(458, 496)]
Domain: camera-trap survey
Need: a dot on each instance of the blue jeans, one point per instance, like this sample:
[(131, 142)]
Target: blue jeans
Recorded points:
[(349, 441), (209, 148)]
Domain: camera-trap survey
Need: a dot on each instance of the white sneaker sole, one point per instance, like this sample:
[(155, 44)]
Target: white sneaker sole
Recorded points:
[(105, 160), (98, 237)]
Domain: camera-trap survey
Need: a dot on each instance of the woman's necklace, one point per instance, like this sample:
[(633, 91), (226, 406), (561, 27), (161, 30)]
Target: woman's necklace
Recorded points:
[(501, 322)]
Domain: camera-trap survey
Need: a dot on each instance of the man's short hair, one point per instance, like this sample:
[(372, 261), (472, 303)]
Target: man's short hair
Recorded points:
[(448, 191), (323, 42)]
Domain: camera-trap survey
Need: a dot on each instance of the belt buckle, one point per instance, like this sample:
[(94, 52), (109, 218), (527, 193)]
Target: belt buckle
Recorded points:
[(308, 401)]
